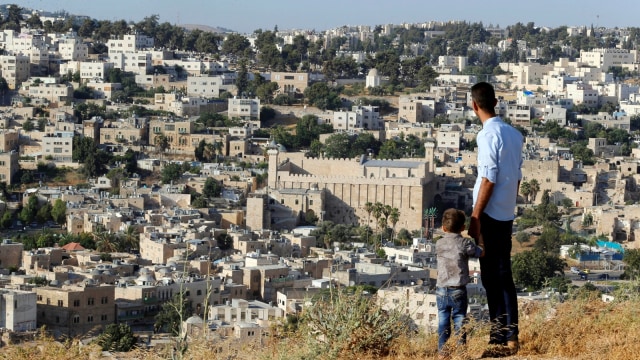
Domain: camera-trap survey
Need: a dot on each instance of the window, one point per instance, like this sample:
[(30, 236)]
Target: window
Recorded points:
[(90, 301), (90, 318), (76, 303), (104, 300), (60, 303), (76, 319), (103, 317)]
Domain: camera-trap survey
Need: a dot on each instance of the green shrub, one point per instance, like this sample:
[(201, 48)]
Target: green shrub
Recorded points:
[(347, 323)]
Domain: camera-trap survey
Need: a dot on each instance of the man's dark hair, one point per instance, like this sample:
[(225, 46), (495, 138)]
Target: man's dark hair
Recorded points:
[(484, 96), (453, 220)]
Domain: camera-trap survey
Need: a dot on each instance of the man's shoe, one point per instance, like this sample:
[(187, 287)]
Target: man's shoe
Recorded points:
[(513, 346)]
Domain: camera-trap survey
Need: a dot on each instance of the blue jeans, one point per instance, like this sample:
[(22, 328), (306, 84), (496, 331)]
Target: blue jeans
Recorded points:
[(452, 304), (497, 279)]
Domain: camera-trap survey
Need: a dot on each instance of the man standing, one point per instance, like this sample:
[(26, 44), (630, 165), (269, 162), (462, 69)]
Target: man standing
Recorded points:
[(494, 198)]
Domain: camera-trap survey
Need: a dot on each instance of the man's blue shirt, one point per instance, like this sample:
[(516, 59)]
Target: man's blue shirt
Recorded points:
[(500, 161)]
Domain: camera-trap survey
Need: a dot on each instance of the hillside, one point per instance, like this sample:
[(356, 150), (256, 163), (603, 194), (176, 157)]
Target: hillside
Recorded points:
[(583, 328)]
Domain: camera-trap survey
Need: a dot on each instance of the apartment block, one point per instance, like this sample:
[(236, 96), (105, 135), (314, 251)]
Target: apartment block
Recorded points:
[(58, 145), (14, 69), (244, 109), (606, 58), (53, 93), (204, 86), (129, 44), (73, 49), (359, 118)]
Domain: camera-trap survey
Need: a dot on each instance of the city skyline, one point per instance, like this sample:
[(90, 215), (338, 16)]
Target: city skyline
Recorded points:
[(245, 16)]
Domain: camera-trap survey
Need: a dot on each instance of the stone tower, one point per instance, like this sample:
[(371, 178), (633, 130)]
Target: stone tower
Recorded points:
[(273, 168), (429, 150)]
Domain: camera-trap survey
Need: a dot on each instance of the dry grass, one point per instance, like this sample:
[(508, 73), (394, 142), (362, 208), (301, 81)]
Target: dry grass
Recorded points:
[(578, 329)]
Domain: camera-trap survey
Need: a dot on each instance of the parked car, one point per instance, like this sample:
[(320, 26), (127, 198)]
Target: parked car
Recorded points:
[(584, 276), (603, 277), (586, 271), (575, 270)]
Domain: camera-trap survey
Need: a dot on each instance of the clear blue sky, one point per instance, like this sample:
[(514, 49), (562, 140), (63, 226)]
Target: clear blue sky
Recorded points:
[(248, 15)]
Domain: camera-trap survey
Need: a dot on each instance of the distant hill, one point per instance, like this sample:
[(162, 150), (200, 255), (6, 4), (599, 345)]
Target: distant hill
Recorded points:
[(206, 28)]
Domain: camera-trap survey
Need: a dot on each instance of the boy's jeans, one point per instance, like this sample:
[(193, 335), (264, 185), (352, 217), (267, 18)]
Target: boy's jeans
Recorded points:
[(452, 303)]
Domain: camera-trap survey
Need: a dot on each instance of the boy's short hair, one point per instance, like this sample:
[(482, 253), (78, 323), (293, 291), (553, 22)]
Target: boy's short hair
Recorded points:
[(453, 220)]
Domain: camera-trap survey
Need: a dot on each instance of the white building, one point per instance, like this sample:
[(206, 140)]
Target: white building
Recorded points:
[(54, 93), (129, 44), (582, 94), (359, 118), (58, 145), (73, 49), (88, 70), (373, 79), (14, 69), (457, 62), (606, 58), (204, 86), (244, 109)]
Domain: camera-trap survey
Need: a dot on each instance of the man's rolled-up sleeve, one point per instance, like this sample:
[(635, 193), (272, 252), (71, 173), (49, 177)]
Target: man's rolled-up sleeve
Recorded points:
[(487, 157)]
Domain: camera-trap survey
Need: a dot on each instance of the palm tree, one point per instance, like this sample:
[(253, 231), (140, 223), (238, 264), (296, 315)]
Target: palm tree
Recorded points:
[(377, 214), (161, 142), (131, 238), (525, 190), (429, 216), (382, 223), (218, 147), (105, 242), (535, 187), (209, 151), (394, 217), (368, 207)]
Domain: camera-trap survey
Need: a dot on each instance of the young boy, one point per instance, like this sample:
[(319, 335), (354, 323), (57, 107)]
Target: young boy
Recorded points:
[(453, 252)]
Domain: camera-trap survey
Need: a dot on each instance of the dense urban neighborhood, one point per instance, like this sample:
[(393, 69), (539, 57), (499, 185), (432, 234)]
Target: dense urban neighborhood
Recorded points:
[(159, 183)]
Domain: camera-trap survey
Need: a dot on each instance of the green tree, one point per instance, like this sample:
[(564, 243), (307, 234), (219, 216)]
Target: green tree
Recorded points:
[(212, 188), (535, 188), (549, 241), (171, 172), (525, 190), (131, 238), (28, 125), (117, 337), (6, 220), (235, 44), (322, 96), (173, 313), (337, 146), (44, 213), (532, 268), (28, 213), (224, 241), (631, 259)]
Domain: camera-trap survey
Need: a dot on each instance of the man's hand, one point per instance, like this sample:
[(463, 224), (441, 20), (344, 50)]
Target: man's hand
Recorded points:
[(474, 228)]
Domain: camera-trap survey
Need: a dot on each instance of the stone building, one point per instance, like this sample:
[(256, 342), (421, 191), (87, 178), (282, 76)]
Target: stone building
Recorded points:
[(405, 184), (17, 310), (75, 310)]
